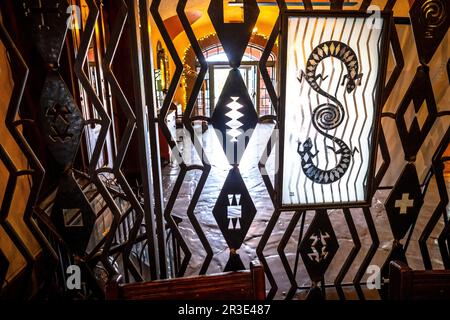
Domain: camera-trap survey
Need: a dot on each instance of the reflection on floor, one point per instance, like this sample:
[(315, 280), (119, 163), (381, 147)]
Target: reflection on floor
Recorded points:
[(260, 196)]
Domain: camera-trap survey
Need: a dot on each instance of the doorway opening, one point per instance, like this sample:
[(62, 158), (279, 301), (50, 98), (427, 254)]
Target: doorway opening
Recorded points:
[(218, 69)]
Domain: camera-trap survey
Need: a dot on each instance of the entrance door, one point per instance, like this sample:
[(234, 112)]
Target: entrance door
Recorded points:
[(219, 74)]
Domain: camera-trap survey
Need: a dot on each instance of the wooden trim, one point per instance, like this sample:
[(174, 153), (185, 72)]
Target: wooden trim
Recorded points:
[(239, 285), (408, 284), (259, 280), (112, 288)]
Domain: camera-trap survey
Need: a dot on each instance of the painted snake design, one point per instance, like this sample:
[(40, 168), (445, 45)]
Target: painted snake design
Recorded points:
[(329, 115)]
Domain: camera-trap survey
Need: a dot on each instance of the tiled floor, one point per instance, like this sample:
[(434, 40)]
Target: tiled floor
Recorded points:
[(260, 196)]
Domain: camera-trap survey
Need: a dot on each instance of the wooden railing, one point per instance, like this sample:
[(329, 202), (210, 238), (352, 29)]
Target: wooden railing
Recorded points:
[(239, 285), (408, 284)]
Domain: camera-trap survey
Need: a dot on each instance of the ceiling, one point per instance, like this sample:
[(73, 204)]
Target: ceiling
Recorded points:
[(196, 11), (168, 8)]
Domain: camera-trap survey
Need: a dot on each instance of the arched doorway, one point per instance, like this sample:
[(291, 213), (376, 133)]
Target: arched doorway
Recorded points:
[(218, 69)]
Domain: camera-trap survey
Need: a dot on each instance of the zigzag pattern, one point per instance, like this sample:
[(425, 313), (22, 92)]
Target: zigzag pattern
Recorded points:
[(384, 155), (162, 215), (266, 153), (35, 173), (116, 34), (437, 170), (104, 122), (187, 121), (184, 168)]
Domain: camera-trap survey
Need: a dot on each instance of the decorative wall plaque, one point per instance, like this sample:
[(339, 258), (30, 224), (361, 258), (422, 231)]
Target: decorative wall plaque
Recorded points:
[(333, 68)]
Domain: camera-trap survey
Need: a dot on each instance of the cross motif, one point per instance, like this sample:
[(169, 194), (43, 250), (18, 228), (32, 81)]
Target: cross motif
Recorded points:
[(404, 203)]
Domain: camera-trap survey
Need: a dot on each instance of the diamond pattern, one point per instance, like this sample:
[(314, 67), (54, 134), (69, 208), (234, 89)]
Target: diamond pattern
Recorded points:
[(319, 246), (72, 214), (404, 202), (420, 94), (234, 210), (234, 117), (429, 27), (61, 120), (420, 115)]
